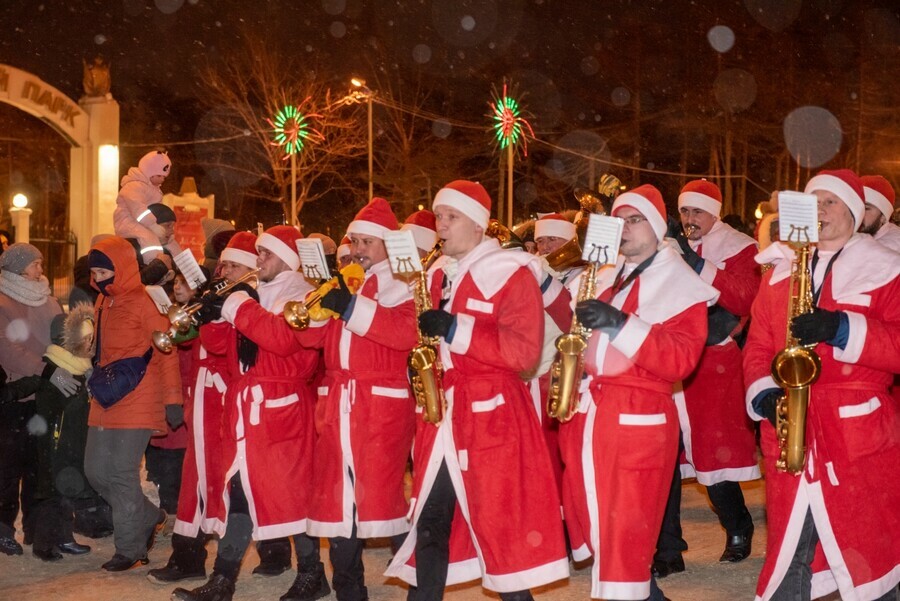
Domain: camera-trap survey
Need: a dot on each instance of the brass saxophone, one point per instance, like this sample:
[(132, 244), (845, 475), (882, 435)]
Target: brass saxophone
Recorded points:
[(424, 360), (568, 367), (795, 368)]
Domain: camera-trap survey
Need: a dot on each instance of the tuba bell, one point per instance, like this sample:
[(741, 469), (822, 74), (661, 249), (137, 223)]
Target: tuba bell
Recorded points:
[(569, 254)]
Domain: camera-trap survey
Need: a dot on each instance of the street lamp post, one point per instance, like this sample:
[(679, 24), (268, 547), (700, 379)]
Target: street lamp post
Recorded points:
[(21, 216), (361, 84)]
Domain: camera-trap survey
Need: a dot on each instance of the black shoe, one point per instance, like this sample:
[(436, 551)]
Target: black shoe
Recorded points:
[(50, 554), (737, 547), (10, 546), (663, 567), (120, 563), (73, 548), (271, 568), (308, 586), (157, 527), (218, 588), (174, 573)]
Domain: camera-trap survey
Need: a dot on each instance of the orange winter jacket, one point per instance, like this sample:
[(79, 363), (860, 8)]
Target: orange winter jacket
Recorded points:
[(125, 319)]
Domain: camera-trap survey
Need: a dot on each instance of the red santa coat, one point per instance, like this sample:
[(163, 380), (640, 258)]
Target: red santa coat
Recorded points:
[(269, 411), (623, 442), (889, 236), (719, 439), (365, 418), (507, 528), (201, 499), (849, 483)]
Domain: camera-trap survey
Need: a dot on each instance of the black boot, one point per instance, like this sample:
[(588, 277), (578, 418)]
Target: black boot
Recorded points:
[(218, 588), (737, 546), (10, 546), (308, 586), (664, 567), (187, 562), (274, 557), (120, 563)]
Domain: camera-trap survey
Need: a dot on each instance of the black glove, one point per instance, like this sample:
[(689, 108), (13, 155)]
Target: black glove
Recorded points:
[(768, 405), (337, 299), (247, 351), (436, 322), (174, 416), (720, 323), (818, 326), (597, 315), (210, 308)]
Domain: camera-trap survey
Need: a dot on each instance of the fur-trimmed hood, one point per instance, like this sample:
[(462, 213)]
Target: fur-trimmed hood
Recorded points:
[(78, 331)]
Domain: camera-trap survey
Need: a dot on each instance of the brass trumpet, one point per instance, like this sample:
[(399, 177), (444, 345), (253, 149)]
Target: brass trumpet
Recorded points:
[(297, 313), (182, 317)]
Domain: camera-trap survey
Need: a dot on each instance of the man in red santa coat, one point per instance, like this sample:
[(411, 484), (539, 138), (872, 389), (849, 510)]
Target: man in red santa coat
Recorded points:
[(268, 422), (649, 328), (479, 469), (365, 416), (719, 439), (879, 208), (835, 525)]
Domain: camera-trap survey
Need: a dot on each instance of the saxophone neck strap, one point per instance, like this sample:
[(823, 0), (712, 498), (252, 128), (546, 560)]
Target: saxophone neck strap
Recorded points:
[(621, 282), (815, 261)]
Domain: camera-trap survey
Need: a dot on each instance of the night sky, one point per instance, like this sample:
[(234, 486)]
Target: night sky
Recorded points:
[(652, 85)]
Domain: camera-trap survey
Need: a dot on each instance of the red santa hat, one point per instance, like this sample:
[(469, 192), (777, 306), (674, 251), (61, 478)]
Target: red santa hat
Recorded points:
[(241, 249), (554, 224), (469, 198), (649, 202), (844, 184), (701, 194), (879, 193), (374, 219), (281, 240), (155, 162), (423, 227), (343, 248)]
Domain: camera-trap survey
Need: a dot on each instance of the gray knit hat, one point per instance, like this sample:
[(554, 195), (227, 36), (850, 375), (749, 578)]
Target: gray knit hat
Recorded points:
[(19, 256)]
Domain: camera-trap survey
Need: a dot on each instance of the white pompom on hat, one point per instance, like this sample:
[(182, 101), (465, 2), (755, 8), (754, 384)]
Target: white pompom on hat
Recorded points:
[(282, 241)]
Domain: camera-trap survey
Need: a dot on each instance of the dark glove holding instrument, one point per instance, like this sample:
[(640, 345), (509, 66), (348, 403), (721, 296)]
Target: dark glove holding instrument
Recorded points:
[(597, 315), (819, 326), (174, 416), (690, 256), (436, 322), (337, 299), (768, 405)]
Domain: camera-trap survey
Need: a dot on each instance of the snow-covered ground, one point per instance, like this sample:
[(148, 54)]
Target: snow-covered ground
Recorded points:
[(80, 578)]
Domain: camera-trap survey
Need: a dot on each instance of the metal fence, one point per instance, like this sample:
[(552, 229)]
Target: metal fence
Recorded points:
[(59, 261)]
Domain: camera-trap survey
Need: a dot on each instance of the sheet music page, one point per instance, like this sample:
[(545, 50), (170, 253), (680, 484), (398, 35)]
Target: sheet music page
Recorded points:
[(402, 252), (798, 217), (159, 298), (190, 269), (601, 242), (312, 259)]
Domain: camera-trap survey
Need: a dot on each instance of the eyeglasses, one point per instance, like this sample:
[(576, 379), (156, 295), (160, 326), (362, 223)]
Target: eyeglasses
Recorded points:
[(634, 219)]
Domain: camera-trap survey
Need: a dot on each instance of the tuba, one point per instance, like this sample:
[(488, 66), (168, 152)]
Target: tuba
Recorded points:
[(568, 367), (424, 360), (569, 254), (795, 368), (182, 317)]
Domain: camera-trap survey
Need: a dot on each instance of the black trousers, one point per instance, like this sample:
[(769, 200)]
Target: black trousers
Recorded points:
[(164, 470), (433, 543), (727, 500), (17, 465)]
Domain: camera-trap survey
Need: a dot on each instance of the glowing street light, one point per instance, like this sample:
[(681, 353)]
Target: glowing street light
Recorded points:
[(20, 201), (361, 84)]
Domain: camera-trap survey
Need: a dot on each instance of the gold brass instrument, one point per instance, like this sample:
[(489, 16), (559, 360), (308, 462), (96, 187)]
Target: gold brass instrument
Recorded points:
[(182, 317), (795, 368), (505, 236), (569, 254), (424, 360), (568, 367), (689, 230), (298, 314)]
